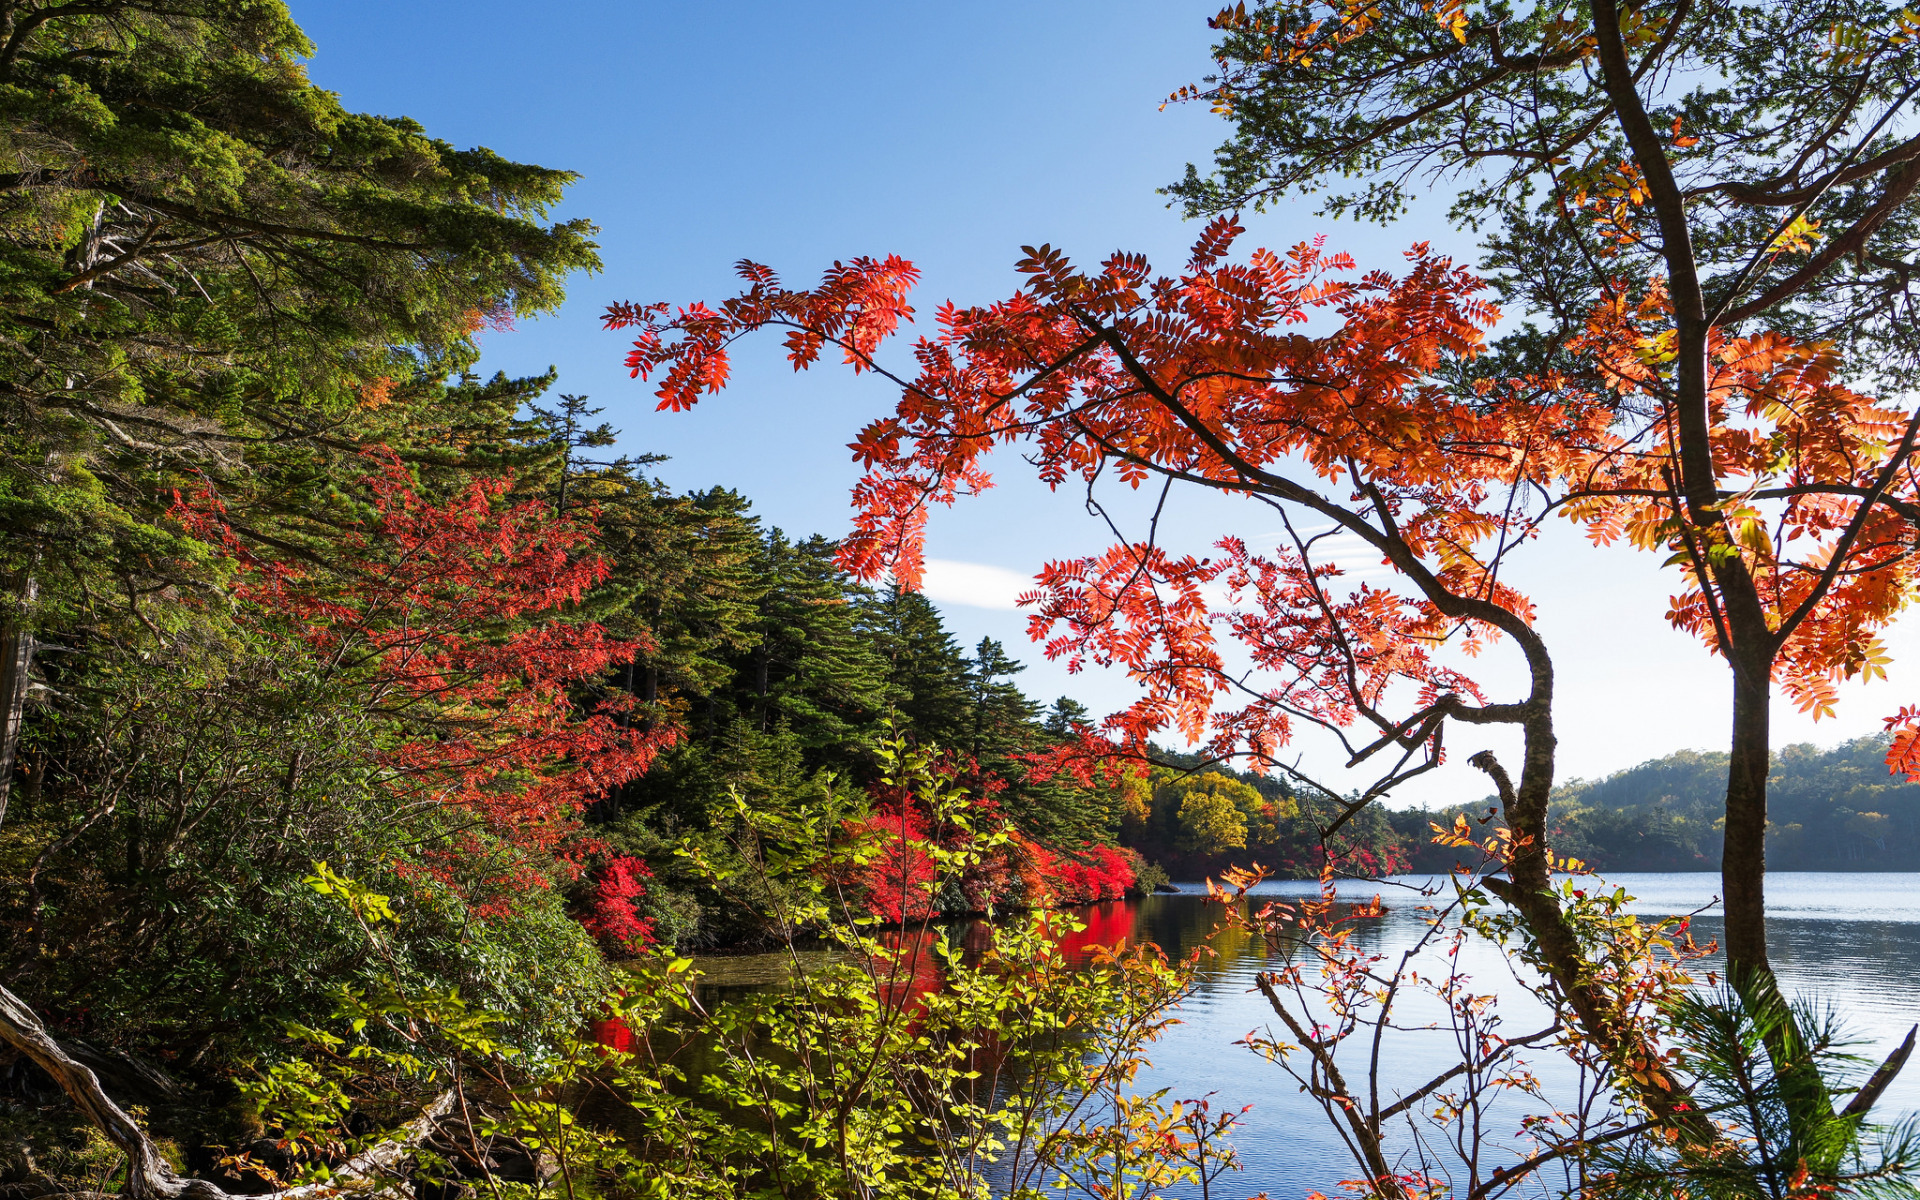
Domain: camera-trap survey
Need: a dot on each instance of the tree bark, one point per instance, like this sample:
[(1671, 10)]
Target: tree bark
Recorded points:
[(1528, 889), (1746, 637), (1743, 862), (16, 661), (148, 1175), (1743, 626)]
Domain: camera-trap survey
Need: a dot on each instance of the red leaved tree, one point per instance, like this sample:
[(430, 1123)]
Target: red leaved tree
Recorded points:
[(611, 915), (897, 882), (1089, 875), (1789, 502), (451, 619)]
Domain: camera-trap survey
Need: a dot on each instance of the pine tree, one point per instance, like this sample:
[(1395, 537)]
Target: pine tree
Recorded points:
[(1066, 715), (1004, 729), (684, 574), (567, 434), (812, 666), (1002, 719)]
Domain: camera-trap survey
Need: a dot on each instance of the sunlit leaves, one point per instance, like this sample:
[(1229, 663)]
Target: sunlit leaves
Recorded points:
[(1797, 237), (1795, 452), (1111, 373), (857, 306), (430, 608)]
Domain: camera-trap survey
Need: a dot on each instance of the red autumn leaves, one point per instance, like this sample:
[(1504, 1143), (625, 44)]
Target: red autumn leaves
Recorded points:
[(611, 914), (450, 619), (1377, 430)]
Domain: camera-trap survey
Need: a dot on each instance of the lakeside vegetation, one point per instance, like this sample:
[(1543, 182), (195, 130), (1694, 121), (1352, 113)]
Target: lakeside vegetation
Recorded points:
[(359, 712)]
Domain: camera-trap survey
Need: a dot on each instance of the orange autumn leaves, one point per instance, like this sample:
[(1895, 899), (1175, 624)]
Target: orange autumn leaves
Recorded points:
[(1376, 429), (1796, 454)]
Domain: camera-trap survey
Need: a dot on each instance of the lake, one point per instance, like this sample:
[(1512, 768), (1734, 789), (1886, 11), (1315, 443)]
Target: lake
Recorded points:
[(1851, 939)]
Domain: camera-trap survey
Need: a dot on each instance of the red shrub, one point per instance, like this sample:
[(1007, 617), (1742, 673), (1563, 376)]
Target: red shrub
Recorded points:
[(507, 726), (1086, 876), (898, 883), (610, 914)]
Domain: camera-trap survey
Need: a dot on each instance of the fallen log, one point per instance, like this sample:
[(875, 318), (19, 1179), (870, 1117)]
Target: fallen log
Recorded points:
[(149, 1176)]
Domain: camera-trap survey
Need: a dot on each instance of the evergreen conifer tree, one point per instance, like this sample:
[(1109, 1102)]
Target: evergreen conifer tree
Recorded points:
[(812, 666), (927, 673), (214, 272)]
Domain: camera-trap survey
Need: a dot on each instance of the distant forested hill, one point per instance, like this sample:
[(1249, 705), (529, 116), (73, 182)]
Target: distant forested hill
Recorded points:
[(1831, 810)]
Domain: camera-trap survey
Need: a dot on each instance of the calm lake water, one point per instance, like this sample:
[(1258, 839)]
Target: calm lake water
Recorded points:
[(1852, 940)]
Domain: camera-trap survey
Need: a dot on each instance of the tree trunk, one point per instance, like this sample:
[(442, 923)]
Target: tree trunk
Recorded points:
[(1743, 861), (762, 684), (1529, 889), (148, 1175), (16, 661), (1743, 878)]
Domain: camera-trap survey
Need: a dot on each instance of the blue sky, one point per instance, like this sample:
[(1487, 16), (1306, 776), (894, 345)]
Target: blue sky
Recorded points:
[(951, 134)]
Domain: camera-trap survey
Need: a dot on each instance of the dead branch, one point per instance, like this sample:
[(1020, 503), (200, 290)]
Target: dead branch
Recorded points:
[(149, 1177)]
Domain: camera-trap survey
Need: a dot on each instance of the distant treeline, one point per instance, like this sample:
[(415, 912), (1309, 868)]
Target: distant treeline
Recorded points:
[(1830, 810), (1191, 819)]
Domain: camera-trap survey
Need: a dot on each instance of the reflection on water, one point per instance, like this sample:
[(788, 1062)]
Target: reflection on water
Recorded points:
[(915, 965), (1850, 940), (760, 970)]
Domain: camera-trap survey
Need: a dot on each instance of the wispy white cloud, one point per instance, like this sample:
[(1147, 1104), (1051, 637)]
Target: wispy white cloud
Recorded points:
[(1352, 555), (1344, 549), (977, 585), (982, 585)]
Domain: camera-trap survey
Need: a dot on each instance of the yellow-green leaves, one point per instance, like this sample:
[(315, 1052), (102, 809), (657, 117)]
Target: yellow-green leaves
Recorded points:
[(368, 905)]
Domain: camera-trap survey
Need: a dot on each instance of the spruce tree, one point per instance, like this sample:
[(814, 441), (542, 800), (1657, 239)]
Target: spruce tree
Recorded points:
[(1066, 715), (812, 667), (1002, 719), (927, 674)]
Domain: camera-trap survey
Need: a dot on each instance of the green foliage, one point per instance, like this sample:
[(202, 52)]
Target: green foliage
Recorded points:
[(786, 670), (222, 288), (219, 279), (1195, 819), (1211, 812), (928, 675), (1148, 877), (215, 272), (1775, 1142), (1765, 111), (1001, 728), (810, 667), (901, 1066), (155, 876)]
